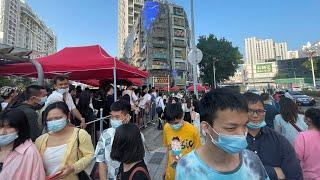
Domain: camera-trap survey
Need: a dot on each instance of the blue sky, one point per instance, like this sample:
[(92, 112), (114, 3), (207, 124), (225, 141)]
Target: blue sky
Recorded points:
[(87, 22)]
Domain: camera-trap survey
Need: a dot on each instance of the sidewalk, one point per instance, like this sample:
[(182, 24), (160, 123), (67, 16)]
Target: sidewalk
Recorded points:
[(155, 152)]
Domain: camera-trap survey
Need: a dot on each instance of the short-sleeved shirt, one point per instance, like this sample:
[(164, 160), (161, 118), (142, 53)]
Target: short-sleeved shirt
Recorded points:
[(146, 98), (133, 96), (307, 147), (103, 150), (189, 138), (192, 167), (55, 97)]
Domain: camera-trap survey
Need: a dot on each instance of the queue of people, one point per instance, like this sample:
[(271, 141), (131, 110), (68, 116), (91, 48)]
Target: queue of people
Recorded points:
[(224, 135)]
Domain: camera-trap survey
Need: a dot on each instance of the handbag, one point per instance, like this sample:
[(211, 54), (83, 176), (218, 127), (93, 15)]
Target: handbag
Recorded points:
[(85, 174)]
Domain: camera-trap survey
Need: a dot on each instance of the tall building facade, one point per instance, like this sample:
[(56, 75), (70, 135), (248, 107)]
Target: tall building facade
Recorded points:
[(160, 42), (21, 27), (293, 54), (128, 13), (281, 51)]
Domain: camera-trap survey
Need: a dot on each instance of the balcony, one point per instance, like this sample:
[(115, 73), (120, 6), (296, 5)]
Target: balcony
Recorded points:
[(180, 66), (159, 44), (158, 66), (160, 56), (179, 43)]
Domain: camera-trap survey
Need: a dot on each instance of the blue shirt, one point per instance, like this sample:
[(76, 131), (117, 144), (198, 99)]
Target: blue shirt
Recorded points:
[(275, 150), (192, 167)]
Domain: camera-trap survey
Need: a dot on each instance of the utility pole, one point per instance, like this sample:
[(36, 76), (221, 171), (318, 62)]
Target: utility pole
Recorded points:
[(214, 60)]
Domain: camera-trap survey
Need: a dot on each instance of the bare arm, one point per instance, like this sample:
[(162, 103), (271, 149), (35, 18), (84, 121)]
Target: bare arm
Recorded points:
[(103, 170)]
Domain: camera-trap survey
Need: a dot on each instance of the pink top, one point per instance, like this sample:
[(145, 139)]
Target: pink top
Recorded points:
[(23, 163), (307, 146)]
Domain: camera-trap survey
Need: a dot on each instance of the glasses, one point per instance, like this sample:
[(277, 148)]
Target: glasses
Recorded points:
[(259, 112)]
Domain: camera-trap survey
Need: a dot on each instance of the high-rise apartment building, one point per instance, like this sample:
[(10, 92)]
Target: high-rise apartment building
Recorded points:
[(21, 27), (159, 43), (128, 13), (281, 51), (293, 54)]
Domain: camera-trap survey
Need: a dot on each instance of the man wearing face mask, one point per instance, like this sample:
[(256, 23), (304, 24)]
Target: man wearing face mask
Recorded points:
[(61, 85), (224, 116), (120, 114), (275, 151), (177, 129), (33, 98)]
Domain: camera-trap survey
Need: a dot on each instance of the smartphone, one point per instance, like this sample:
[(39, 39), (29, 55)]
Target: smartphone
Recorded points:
[(52, 177)]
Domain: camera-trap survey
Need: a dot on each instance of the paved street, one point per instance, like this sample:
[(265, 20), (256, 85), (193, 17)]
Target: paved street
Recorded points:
[(155, 152)]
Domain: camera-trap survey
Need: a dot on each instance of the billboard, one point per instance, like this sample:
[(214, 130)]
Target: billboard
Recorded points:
[(264, 68), (150, 14)]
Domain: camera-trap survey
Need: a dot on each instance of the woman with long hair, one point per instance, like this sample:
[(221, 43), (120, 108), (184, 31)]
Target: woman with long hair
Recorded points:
[(289, 122), (19, 157), (187, 108), (307, 145), (86, 111), (128, 149), (66, 150)]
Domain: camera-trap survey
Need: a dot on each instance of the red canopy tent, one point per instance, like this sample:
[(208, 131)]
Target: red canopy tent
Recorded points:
[(97, 83), (80, 63), (199, 88)]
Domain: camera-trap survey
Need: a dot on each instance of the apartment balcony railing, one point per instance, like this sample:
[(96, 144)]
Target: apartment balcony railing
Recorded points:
[(160, 56), (180, 82), (159, 44), (179, 44)]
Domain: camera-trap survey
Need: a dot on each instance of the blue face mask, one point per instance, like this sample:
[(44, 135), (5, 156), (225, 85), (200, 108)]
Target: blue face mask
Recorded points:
[(57, 125), (62, 90), (252, 125), (176, 152), (230, 143), (43, 100), (8, 138), (176, 126), (115, 123)]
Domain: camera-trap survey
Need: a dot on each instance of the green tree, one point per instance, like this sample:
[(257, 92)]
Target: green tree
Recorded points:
[(221, 49)]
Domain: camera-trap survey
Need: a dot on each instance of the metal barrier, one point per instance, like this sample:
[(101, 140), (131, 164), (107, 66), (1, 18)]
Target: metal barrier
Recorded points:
[(93, 133)]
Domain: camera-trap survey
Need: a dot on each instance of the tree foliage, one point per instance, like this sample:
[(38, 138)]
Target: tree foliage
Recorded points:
[(221, 49)]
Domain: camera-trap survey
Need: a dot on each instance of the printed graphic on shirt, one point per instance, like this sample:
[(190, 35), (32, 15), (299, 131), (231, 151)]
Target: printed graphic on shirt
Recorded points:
[(176, 151), (193, 167)]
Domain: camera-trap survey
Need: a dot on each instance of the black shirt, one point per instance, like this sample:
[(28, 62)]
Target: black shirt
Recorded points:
[(139, 175), (274, 150)]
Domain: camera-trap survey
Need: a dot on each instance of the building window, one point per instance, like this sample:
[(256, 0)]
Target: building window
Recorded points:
[(178, 11), (179, 21), (179, 33)]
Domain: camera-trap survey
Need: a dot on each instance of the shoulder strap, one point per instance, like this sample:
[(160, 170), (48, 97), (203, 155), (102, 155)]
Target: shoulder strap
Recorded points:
[(139, 169), (78, 142), (295, 126)]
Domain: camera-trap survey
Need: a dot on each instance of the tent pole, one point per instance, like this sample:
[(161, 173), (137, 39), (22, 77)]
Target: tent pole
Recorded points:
[(114, 80), (39, 68)]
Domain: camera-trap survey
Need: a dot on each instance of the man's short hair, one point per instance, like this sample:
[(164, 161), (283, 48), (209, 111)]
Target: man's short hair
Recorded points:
[(32, 90), (60, 77), (121, 105), (220, 100), (173, 111), (253, 98)]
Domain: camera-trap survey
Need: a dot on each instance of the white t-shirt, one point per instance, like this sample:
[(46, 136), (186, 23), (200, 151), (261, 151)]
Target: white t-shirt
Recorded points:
[(159, 102), (185, 108), (146, 98), (56, 97), (133, 96), (4, 105)]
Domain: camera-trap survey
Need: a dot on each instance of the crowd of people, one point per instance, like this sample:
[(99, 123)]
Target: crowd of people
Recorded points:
[(48, 134)]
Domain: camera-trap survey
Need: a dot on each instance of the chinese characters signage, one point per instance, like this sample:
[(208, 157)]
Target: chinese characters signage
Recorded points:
[(264, 68)]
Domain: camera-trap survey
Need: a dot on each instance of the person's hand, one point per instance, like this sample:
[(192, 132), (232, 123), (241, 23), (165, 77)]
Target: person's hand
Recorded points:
[(83, 124), (66, 171), (279, 173)]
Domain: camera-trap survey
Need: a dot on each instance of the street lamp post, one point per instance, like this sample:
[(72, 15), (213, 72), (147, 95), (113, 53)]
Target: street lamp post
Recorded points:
[(214, 71), (193, 46)]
